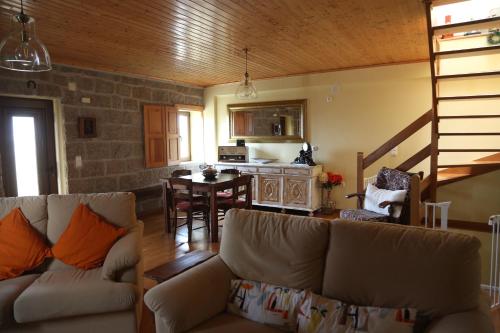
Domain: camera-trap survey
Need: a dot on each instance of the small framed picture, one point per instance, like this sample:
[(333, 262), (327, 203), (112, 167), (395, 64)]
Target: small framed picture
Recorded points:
[(87, 127)]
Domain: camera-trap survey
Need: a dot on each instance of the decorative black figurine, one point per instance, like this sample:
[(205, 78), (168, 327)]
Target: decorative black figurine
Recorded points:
[(305, 155)]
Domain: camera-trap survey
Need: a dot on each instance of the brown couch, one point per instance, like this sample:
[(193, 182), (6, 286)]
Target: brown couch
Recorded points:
[(60, 298), (363, 263)]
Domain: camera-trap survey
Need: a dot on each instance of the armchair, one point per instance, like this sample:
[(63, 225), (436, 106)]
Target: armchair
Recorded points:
[(393, 180)]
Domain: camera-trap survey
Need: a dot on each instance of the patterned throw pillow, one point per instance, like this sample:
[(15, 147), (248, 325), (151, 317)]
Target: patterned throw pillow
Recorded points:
[(322, 315), (266, 303)]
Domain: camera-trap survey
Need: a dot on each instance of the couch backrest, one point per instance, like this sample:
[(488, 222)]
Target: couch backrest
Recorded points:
[(275, 248), (367, 263), (117, 208), (33, 208)]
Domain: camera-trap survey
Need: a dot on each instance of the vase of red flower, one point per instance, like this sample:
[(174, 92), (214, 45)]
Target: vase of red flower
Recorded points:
[(329, 181)]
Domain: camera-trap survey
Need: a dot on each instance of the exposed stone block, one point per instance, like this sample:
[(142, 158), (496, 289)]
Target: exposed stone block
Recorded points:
[(104, 87), (84, 83), (123, 90), (141, 93), (130, 104), (96, 150)]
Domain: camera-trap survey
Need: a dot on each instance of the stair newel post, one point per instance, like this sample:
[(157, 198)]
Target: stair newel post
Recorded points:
[(360, 176), (435, 125)]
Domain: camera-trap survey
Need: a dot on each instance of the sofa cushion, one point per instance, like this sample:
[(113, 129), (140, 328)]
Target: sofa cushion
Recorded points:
[(117, 208), (57, 294), (9, 290), (280, 249), (224, 322), (386, 265), (266, 303), (87, 239), (33, 208), (319, 314), (22, 248)]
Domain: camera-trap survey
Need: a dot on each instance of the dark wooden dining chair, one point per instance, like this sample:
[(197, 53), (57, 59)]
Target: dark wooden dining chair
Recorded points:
[(227, 194), (241, 196), (184, 201)]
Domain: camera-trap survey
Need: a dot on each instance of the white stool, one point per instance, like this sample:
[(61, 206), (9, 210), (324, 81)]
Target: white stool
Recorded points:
[(444, 213)]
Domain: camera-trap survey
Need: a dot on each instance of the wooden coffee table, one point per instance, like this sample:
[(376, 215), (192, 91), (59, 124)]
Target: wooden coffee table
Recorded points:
[(170, 269)]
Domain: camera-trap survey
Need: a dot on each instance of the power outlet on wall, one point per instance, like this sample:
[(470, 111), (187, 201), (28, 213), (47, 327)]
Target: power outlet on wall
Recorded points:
[(78, 162)]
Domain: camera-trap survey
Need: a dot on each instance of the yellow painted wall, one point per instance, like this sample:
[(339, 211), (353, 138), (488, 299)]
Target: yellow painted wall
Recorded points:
[(370, 106)]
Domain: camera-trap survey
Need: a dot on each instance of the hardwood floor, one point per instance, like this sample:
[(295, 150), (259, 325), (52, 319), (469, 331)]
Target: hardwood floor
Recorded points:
[(160, 247)]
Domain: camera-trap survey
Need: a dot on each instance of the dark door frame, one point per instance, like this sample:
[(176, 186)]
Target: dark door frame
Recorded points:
[(43, 112)]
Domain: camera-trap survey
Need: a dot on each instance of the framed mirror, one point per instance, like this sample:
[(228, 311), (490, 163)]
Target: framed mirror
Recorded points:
[(280, 121)]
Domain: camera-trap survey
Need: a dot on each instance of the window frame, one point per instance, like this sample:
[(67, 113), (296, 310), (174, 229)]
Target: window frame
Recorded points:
[(188, 114)]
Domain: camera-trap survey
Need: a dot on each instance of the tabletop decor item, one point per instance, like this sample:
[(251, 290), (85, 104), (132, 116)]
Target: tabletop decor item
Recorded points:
[(209, 172), (329, 181)]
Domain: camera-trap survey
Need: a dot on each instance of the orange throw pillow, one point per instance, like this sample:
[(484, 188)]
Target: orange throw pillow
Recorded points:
[(87, 239), (22, 248)]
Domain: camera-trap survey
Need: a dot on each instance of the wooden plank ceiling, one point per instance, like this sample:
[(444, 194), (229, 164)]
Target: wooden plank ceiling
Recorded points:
[(200, 41)]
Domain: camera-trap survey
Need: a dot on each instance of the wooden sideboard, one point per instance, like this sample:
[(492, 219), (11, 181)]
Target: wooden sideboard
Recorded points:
[(285, 186)]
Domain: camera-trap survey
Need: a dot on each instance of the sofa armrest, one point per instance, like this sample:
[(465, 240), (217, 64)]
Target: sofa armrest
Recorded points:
[(463, 322), (125, 253), (190, 298)]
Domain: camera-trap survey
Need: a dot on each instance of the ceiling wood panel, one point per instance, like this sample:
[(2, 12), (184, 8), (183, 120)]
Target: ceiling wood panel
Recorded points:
[(200, 41)]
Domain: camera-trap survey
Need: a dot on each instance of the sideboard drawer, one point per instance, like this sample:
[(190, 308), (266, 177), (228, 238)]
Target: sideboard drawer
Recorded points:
[(297, 171), (247, 169), (270, 170)]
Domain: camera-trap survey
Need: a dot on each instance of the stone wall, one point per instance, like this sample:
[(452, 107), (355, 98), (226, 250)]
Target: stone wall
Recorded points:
[(114, 160)]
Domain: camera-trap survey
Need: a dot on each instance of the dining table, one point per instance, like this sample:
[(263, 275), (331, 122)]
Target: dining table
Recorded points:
[(211, 186)]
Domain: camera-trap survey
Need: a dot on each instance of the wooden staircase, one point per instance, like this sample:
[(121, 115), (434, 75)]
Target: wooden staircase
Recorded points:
[(446, 171), (443, 173)]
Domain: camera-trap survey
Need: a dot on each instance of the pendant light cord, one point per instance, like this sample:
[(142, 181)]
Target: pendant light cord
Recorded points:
[(22, 8)]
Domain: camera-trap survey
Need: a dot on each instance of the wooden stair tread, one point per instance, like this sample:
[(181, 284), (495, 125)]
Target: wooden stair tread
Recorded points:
[(446, 98), (469, 26), (469, 133), (478, 150), (470, 164), (465, 75), (443, 176), (465, 52), (471, 116)]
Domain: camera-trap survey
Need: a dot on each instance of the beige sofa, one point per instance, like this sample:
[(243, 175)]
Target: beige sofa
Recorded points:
[(363, 263), (60, 298)]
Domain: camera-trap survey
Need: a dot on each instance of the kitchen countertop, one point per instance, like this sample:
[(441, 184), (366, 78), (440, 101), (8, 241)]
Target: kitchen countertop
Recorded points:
[(271, 165)]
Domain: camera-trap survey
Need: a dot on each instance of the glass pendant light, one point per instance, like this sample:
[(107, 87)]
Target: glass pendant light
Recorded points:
[(21, 50), (246, 89)]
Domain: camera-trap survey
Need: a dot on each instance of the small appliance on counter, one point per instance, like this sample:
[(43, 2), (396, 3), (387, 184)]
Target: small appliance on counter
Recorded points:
[(234, 154)]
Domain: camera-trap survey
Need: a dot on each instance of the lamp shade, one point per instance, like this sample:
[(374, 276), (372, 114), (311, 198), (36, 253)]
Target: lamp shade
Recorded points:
[(21, 50), (246, 89)]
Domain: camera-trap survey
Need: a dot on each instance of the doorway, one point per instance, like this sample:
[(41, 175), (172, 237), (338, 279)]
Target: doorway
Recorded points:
[(27, 146)]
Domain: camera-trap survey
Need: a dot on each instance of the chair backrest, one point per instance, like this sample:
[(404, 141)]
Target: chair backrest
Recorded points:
[(242, 186), (393, 180), (231, 171), (181, 190), (181, 172)]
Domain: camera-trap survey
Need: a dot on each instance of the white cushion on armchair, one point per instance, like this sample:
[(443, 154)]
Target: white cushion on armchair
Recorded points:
[(375, 196)]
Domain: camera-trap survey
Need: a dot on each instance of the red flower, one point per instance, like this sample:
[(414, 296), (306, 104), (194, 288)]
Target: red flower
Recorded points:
[(335, 178)]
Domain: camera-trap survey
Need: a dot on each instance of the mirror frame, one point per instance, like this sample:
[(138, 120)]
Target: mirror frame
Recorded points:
[(231, 108)]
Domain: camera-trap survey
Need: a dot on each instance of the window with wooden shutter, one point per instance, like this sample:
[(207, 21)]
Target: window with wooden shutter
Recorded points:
[(154, 136), (173, 138), (161, 136)]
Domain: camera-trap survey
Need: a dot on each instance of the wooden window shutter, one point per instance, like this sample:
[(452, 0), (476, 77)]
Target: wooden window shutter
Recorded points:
[(155, 136), (173, 139)]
